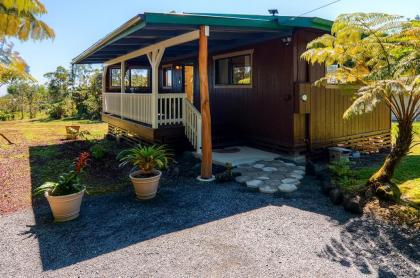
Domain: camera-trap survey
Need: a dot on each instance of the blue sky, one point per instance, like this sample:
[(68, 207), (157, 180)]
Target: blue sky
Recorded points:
[(80, 23)]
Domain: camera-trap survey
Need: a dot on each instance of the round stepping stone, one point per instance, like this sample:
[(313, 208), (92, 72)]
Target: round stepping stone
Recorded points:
[(242, 179), (268, 189), (290, 181), (259, 166), (254, 183), (299, 172), (289, 164), (296, 176), (263, 178), (301, 167), (269, 169), (287, 187)]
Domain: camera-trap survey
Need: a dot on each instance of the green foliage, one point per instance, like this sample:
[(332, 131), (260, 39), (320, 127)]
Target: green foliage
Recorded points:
[(381, 53), (101, 149), (147, 158), (19, 19), (68, 183), (227, 175), (343, 176), (6, 116)]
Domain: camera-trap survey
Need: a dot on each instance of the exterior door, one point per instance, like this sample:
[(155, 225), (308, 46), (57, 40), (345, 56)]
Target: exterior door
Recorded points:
[(189, 82)]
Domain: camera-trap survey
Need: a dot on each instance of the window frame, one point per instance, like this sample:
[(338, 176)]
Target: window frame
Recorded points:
[(138, 68), (164, 69), (110, 78), (249, 52)]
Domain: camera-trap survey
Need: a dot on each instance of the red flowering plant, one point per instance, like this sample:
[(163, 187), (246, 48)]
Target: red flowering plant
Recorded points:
[(68, 183)]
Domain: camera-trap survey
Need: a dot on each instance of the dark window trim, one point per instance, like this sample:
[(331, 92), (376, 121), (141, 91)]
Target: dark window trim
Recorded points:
[(149, 74), (232, 55), (165, 67), (110, 77)]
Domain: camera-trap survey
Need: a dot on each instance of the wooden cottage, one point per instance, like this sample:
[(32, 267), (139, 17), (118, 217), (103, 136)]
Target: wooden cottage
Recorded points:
[(226, 79)]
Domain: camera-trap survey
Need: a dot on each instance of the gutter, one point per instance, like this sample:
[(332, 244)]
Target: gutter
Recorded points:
[(111, 36)]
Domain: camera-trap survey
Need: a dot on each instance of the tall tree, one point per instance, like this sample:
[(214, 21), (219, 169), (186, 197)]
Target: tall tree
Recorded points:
[(19, 19), (381, 53)]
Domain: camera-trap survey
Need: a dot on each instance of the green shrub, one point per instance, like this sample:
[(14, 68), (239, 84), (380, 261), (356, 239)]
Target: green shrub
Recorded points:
[(343, 176), (6, 116), (100, 150)]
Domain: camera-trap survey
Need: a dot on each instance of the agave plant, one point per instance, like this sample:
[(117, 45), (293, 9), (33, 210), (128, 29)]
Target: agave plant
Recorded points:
[(147, 158), (68, 183)]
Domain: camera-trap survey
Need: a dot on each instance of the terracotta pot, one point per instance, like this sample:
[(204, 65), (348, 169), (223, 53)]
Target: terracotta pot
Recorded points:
[(145, 188), (67, 207), (70, 134)]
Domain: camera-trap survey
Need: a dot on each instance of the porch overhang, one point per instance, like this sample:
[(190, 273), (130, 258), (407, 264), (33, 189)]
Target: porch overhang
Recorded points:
[(151, 28)]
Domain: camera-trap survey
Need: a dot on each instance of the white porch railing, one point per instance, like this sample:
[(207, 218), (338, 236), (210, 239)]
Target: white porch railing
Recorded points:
[(192, 123), (170, 109), (111, 103)]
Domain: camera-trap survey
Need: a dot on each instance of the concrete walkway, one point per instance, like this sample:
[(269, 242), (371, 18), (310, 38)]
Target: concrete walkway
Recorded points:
[(206, 230)]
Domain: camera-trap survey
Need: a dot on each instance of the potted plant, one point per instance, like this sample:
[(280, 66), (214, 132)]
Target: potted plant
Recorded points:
[(65, 196), (149, 160)]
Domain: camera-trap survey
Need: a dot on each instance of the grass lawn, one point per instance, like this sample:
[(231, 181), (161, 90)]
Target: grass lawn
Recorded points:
[(407, 175), (39, 152)]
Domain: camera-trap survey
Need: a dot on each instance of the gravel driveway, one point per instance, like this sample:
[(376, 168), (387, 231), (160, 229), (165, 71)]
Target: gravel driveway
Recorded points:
[(214, 230)]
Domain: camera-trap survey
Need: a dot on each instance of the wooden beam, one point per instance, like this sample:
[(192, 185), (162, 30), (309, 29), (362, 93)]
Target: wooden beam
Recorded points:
[(155, 57), (190, 36), (206, 160), (122, 84)]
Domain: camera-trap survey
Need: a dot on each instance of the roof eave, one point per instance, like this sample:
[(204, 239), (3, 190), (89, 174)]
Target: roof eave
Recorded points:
[(128, 27)]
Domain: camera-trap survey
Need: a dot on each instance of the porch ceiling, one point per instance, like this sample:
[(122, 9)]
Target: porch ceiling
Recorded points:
[(226, 31)]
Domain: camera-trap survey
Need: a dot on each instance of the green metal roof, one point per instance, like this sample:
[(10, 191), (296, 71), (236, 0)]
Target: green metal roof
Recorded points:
[(176, 23)]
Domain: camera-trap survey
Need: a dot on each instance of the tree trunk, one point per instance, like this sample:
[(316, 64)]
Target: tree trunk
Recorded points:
[(399, 150)]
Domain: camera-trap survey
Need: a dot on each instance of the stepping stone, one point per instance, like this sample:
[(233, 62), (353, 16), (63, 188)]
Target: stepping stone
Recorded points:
[(254, 183), (299, 172), (269, 169), (290, 181), (268, 189), (301, 168), (259, 166), (289, 164), (242, 179), (287, 187), (296, 176), (263, 178)]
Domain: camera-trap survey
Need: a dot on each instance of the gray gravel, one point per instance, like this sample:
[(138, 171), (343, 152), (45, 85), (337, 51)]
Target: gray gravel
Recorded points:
[(214, 230)]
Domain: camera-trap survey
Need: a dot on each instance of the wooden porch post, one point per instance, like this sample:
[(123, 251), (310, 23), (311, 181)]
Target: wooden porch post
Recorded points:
[(154, 59), (122, 87), (206, 162), (104, 80)]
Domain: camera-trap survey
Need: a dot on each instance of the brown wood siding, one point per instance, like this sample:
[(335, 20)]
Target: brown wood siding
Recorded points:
[(262, 113)]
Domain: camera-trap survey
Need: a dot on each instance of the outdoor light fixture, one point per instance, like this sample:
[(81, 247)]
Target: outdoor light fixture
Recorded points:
[(286, 40), (273, 12)]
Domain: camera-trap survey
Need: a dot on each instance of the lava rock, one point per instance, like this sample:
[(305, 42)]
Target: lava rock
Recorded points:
[(326, 187), (336, 196), (352, 204)]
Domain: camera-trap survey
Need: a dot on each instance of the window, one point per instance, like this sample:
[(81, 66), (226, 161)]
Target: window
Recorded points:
[(167, 76), (330, 70), (235, 69), (115, 77), (137, 77)]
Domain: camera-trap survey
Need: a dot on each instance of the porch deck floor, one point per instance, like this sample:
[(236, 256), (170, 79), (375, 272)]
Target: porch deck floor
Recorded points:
[(241, 155)]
